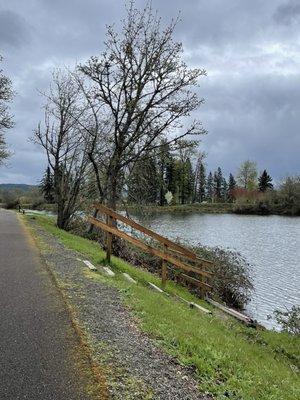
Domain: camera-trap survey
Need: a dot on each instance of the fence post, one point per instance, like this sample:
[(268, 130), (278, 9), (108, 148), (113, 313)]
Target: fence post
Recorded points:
[(108, 239), (164, 271)]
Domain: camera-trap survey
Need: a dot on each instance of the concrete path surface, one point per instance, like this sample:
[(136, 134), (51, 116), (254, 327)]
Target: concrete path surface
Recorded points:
[(38, 345)]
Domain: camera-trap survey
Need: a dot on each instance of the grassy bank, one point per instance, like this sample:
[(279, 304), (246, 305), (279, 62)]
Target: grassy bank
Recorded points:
[(202, 208), (231, 360)]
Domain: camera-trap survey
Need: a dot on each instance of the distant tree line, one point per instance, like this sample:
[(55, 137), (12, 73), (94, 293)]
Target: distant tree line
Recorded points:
[(181, 177)]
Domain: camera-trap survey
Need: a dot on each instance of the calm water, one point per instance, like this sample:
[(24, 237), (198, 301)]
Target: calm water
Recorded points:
[(270, 244)]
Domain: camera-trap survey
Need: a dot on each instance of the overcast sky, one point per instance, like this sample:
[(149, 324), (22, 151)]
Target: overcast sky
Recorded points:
[(250, 49)]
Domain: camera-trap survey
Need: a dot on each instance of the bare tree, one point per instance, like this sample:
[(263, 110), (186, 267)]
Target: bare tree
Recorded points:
[(138, 91), (6, 122), (65, 144)]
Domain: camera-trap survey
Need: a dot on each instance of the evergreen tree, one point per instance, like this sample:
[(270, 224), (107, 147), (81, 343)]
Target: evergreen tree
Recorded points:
[(165, 170), (199, 180), (224, 190), (46, 186), (202, 183), (218, 179), (231, 187), (184, 181), (143, 181), (265, 181), (210, 188)]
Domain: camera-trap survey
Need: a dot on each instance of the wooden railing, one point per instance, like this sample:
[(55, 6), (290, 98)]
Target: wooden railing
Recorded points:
[(171, 253)]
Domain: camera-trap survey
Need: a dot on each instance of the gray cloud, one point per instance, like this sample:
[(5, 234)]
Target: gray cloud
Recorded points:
[(288, 13), (14, 30), (251, 50)]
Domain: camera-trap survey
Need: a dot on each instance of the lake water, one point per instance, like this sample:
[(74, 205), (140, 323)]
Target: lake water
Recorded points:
[(271, 244)]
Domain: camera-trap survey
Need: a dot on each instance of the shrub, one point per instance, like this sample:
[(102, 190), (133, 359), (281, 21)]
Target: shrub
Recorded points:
[(289, 320), (231, 281)]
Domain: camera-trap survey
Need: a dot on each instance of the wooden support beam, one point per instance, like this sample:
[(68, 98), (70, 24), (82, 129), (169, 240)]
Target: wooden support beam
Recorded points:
[(108, 240), (196, 281), (244, 318), (164, 270)]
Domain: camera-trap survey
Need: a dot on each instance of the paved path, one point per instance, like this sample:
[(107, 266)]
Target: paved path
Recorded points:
[(38, 346)]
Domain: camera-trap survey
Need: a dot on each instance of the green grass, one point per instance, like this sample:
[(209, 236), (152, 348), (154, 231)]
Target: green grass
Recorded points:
[(231, 360)]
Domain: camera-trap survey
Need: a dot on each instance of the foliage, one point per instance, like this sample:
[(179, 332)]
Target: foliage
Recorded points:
[(284, 201), (247, 175), (209, 187), (265, 181), (46, 186), (218, 181), (25, 196), (289, 320), (231, 187), (199, 179), (232, 282)]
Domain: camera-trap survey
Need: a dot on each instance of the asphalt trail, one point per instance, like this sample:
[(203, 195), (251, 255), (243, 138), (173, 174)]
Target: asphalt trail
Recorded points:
[(38, 345)]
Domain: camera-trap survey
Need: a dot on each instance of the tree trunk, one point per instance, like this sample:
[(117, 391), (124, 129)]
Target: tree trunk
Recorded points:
[(63, 216)]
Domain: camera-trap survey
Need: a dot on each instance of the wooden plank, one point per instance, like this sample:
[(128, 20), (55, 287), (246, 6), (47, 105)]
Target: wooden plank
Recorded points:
[(164, 270), (155, 287), (108, 240), (230, 311), (147, 248), (200, 308), (195, 281), (129, 278), (199, 261), (89, 265), (146, 231)]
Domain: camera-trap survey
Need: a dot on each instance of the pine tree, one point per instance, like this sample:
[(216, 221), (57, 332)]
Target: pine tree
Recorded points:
[(46, 186), (199, 180), (265, 181), (143, 181), (224, 190), (210, 187), (231, 187), (202, 183), (218, 179), (165, 170), (184, 178)]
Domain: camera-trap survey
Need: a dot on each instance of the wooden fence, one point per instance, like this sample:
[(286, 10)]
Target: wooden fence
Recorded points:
[(172, 254)]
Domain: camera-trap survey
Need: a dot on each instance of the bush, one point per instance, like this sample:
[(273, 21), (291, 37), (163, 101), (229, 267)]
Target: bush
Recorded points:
[(231, 282), (289, 320)]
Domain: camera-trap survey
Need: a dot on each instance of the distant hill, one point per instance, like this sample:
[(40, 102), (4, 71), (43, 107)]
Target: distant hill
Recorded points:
[(20, 186)]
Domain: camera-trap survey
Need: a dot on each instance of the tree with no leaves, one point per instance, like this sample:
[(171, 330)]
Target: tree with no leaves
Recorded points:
[(6, 122), (247, 175), (142, 89), (65, 144)]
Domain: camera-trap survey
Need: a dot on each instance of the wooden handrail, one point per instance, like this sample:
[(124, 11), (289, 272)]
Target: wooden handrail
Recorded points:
[(146, 231), (171, 253), (149, 249)]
